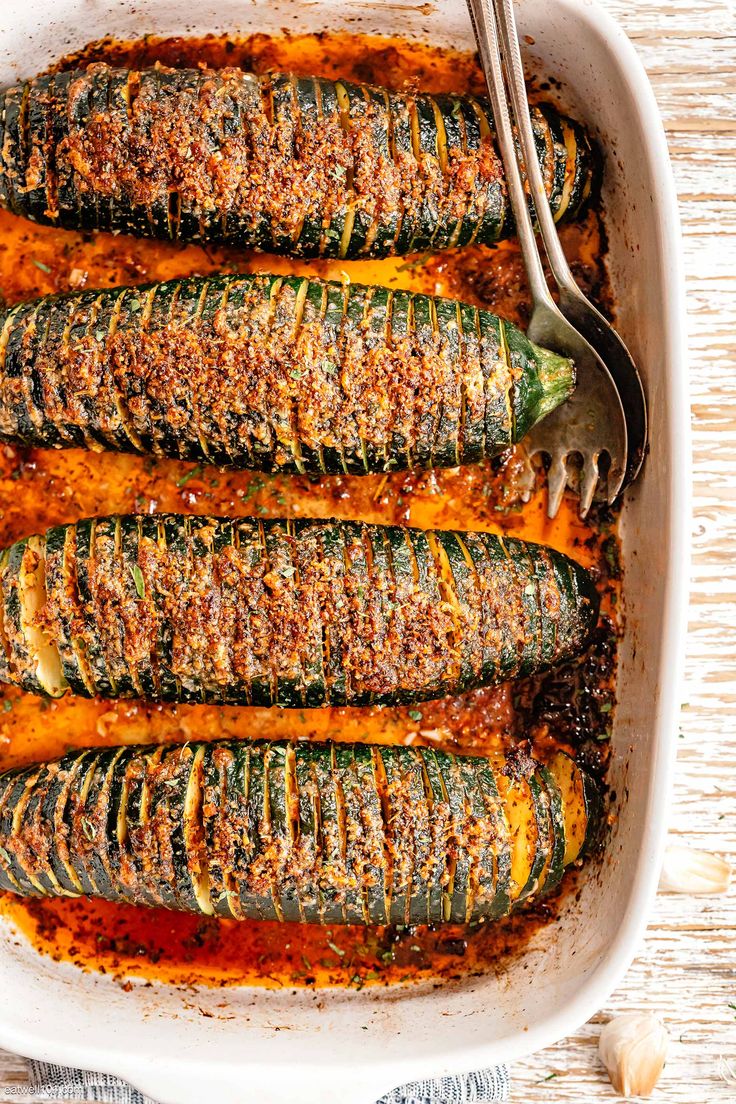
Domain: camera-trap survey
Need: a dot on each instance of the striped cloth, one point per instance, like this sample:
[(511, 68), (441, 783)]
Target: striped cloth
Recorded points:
[(51, 1082)]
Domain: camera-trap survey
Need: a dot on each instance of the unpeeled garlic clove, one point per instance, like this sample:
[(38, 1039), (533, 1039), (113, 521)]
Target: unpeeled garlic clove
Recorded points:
[(686, 870), (633, 1048)]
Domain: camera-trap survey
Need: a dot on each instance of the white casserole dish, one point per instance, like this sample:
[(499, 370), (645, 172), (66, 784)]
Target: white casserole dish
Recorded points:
[(350, 1047)]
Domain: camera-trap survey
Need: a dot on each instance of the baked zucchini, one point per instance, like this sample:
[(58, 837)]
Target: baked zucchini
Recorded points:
[(322, 833), (275, 373), (286, 164), (292, 613)]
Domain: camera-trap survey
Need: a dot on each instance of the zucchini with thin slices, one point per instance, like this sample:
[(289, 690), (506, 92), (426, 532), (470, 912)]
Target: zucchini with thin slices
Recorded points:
[(277, 373), (294, 165), (320, 833), (294, 613)]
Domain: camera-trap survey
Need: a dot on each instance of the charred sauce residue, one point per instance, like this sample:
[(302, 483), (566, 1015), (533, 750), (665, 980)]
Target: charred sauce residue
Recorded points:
[(569, 708)]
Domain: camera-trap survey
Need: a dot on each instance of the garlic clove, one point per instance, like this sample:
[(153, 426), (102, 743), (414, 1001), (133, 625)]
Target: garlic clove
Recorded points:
[(688, 871), (633, 1048)]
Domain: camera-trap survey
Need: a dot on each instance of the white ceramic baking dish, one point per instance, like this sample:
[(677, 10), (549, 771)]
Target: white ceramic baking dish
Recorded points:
[(352, 1047)]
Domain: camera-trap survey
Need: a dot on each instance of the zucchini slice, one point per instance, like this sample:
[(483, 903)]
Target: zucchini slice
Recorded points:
[(555, 867), (17, 848), (581, 803)]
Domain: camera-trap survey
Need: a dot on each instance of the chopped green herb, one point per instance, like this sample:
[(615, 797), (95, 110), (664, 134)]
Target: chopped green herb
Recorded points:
[(287, 572), (295, 373), (606, 707), (415, 714), (256, 484), (88, 827), (140, 583), (335, 948), (329, 366), (610, 551), (41, 265), (190, 475), (416, 263), (7, 706)]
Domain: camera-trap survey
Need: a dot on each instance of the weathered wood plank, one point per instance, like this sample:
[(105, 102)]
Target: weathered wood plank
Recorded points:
[(687, 969)]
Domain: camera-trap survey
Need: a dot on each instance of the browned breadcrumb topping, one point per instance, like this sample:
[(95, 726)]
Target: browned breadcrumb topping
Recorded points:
[(365, 837), (220, 143), (297, 613), (253, 371)]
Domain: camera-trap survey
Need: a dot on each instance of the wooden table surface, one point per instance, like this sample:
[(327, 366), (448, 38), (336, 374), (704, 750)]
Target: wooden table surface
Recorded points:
[(686, 970)]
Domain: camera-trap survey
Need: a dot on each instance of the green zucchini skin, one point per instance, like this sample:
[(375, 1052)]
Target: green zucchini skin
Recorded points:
[(295, 613), (317, 833), (275, 373), (293, 165)]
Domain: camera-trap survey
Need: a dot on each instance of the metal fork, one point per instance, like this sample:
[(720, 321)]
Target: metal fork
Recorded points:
[(593, 421), (577, 309)]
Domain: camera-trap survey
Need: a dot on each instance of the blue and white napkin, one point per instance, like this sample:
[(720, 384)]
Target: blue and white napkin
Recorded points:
[(51, 1082)]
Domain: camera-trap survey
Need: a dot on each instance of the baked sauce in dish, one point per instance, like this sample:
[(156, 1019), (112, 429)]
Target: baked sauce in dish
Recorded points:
[(569, 708)]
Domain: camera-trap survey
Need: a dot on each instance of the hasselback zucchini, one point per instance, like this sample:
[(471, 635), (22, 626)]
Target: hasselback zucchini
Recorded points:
[(272, 372), (293, 613), (286, 164), (296, 831)]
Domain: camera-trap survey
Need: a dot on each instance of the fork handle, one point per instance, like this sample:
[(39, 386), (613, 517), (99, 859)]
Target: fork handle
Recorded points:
[(504, 12), (485, 27)]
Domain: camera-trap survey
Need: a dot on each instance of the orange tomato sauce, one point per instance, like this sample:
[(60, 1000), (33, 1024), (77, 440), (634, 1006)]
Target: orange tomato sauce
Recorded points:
[(43, 488)]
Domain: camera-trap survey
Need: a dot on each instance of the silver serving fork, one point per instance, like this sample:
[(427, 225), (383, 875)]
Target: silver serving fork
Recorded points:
[(577, 309), (593, 422)]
